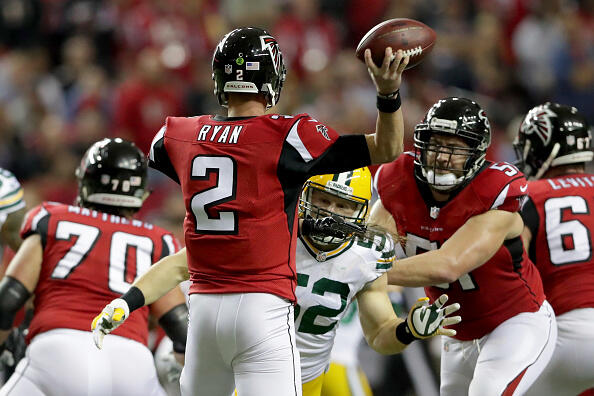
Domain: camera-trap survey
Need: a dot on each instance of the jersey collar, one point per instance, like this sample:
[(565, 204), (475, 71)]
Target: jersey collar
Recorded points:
[(322, 255)]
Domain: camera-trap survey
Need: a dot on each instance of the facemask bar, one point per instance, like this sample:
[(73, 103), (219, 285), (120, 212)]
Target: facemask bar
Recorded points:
[(309, 210), (449, 180)]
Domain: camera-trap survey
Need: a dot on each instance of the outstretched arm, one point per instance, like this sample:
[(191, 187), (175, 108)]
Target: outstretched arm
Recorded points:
[(387, 141), (388, 334), (160, 280), (471, 246)]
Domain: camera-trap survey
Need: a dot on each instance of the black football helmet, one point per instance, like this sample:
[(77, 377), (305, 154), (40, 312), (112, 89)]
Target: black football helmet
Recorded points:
[(451, 116), (248, 60), (550, 135), (112, 173)]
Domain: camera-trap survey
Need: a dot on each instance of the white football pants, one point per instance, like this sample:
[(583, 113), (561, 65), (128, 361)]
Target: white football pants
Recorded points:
[(571, 369), (504, 362), (244, 340), (65, 362)]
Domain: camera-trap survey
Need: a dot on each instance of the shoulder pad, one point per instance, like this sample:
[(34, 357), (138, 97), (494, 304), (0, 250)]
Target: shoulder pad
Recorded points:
[(501, 186), (380, 250)]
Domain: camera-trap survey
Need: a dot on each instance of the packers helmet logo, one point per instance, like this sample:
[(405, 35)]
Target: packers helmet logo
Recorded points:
[(269, 43), (538, 121)]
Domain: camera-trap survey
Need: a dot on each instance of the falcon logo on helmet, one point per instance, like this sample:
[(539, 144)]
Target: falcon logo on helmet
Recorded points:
[(269, 43), (551, 135), (538, 121)]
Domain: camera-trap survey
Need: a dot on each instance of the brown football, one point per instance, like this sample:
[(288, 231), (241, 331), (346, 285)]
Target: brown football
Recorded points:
[(413, 37)]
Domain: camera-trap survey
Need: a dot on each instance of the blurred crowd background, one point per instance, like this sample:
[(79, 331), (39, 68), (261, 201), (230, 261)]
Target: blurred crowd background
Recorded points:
[(74, 71)]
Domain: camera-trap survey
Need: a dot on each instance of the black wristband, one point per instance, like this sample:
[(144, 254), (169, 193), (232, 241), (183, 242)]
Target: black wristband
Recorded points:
[(134, 298), (403, 334), (387, 104)]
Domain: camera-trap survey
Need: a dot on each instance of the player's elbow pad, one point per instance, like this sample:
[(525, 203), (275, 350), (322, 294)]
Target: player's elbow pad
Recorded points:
[(13, 295), (175, 324)]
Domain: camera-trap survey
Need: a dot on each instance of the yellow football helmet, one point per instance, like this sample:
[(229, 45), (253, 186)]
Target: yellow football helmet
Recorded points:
[(354, 187)]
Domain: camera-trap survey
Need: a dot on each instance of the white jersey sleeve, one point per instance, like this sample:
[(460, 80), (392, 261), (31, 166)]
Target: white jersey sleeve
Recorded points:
[(11, 195)]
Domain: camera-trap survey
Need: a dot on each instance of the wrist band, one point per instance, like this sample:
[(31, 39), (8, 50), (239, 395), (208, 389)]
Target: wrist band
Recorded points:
[(403, 334), (388, 103), (134, 298)]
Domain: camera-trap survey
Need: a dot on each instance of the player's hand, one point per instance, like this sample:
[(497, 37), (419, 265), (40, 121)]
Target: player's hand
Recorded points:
[(113, 315), (388, 76), (425, 321)]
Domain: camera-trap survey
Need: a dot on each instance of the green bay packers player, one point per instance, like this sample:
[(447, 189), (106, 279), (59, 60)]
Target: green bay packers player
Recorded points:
[(332, 271)]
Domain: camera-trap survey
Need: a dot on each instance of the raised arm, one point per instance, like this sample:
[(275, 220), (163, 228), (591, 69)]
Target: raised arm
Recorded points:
[(470, 247), (387, 141)]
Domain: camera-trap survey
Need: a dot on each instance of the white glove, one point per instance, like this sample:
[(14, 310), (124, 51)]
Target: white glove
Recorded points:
[(113, 315), (425, 321)]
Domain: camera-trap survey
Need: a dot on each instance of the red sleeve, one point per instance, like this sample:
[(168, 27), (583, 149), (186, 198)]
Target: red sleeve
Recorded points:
[(507, 190), (315, 136), (35, 222)]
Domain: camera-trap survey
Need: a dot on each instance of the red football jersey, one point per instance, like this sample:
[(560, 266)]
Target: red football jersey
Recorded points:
[(504, 286), (558, 213), (241, 179), (90, 258)]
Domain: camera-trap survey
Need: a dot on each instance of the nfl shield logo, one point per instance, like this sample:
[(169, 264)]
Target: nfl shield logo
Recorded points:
[(434, 212), (228, 69)]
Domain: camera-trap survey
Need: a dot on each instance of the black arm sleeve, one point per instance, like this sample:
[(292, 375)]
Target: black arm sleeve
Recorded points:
[(347, 153), (159, 160), (175, 324), (531, 220), (13, 295)]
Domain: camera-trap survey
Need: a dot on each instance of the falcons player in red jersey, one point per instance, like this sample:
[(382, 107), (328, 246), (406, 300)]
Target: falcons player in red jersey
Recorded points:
[(447, 201), (241, 176), (554, 145), (74, 258)]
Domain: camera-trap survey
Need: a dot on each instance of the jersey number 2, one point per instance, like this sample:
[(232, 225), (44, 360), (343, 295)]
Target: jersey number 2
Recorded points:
[(225, 168)]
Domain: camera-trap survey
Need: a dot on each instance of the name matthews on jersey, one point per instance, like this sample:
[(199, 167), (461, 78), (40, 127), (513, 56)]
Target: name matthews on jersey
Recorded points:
[(108, 217)]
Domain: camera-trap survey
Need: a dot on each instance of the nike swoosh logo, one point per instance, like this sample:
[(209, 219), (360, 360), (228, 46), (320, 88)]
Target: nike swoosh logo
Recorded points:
[(524, 188)]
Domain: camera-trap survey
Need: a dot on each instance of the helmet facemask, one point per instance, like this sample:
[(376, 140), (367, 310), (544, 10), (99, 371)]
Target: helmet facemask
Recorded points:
[(315, 201), (435, 160)]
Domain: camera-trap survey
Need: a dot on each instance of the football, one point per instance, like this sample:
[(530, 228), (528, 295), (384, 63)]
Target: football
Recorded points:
[(413, 37)]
